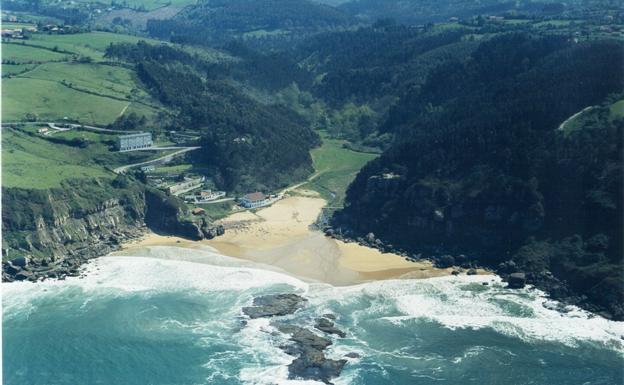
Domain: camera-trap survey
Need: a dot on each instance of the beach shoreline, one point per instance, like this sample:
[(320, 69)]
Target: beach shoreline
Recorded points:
[(282, 236)]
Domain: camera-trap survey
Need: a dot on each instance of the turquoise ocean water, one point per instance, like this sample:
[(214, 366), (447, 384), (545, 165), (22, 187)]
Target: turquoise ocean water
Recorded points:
[(153, 320)]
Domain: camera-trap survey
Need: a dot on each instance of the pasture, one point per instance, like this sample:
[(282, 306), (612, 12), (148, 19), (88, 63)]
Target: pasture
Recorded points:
[(32, 162), (336, 167)]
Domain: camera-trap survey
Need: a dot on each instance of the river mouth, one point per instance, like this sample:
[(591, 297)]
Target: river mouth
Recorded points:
[(171, 321)]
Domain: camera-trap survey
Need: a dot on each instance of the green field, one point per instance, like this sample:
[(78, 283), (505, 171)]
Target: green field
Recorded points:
[(91, 44), (617, 110), (31, 162), (49, 100), (177, 169), (106, 80), (15, 69), (12, 25), (92, 93), (22, 54), (336, 167)]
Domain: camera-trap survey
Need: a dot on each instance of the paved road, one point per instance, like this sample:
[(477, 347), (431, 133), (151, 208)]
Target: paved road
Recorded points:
[(161, 160), (215, 201)]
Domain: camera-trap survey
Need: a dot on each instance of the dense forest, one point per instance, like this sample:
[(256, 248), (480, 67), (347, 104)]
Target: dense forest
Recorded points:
[(265, 22), (479, 166), (426, 11), (239, 135)]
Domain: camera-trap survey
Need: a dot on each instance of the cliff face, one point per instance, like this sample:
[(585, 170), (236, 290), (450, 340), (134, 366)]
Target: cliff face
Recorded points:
[(58, 229), (479, 168)]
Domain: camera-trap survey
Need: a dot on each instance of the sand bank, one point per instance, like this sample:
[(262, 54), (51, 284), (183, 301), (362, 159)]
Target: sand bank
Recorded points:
[(281, 236)]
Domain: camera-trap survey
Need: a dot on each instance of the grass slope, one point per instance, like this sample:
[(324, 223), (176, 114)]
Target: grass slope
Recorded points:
[(31, 162), (336, 168), (50, 100), (53, 86)]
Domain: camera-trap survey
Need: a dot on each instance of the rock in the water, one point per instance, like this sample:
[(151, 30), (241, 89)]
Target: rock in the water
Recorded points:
[(327, 326), (330, 316), (274, 305), (352, 355), (311, 363), (516, 280), (471, 272)]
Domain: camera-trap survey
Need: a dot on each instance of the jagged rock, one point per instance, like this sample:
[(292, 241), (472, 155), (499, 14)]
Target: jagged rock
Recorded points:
[(516, 281), (23, 275), (274, 305), (352, 355), (327, 326), (370, 237), (311, 363), (445, 261), (455, 272), (330, 316), (471, 272), (9, 268), (20, 262), (507, 267)]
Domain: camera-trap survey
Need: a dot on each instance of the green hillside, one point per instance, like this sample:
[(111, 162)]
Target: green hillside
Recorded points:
[(50, 77)]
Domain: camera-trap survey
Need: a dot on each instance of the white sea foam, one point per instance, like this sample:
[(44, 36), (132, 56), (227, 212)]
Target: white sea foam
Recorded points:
[(463, 302), (453, 302), (122, 275)]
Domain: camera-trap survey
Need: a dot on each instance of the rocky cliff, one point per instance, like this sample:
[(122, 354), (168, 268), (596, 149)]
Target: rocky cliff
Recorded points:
[(51, 232)]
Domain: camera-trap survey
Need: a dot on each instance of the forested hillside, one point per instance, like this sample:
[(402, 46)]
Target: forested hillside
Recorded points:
[(263, 22), (240, 135), (426, 11), (478, 166)]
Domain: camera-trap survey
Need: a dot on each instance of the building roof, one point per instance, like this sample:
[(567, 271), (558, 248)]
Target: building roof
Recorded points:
[(198, 210), (135, 135), (255, 196)]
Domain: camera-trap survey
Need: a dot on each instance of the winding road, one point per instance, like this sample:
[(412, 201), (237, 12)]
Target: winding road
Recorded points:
[(161, 160)]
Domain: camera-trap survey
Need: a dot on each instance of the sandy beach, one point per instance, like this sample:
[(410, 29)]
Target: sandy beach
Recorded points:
[(280, 236)]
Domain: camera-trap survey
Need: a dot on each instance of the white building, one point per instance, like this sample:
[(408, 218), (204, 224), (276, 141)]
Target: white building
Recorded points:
[(134, 141), (253, 200)]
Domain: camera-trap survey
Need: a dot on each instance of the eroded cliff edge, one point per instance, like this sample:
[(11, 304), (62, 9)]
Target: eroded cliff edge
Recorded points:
[(51, 232)]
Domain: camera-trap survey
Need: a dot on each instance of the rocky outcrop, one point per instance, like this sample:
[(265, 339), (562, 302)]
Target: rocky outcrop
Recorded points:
[(327, 326), (516, 280), (311, 363), (274, 305), (51, 232), (307, 346)]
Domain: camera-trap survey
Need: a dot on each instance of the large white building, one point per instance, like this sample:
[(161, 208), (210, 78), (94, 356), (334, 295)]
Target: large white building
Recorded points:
[(134, 141), (253, 200)]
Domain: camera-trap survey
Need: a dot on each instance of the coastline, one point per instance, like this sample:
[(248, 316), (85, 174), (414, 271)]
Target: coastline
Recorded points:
[(281, 236)]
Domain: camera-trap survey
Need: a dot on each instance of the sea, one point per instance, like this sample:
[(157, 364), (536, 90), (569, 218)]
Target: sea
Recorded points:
[(173, 316)]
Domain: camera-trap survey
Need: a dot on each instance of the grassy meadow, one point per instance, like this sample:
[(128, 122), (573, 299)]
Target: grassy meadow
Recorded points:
[(336, 167), (32, 162), (46, 81)]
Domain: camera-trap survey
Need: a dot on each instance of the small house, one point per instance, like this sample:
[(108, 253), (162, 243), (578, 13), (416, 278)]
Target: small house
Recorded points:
[(253, 200), (198, 211)]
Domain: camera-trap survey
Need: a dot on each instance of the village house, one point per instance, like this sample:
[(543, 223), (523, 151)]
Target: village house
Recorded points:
[(253, 200), (134, 141)]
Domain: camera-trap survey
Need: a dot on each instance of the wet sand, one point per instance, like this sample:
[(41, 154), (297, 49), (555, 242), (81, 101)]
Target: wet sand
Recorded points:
[(280, 236)]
